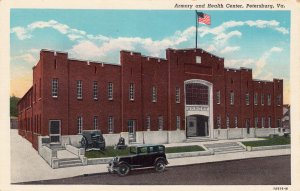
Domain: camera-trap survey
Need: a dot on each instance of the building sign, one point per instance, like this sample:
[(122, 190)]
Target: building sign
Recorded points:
[(197, 108)]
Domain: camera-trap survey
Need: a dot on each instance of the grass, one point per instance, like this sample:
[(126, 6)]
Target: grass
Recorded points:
[(269, 142), (111, 152)]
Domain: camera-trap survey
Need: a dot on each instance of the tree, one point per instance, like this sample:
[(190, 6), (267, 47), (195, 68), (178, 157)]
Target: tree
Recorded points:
[(13, 105)]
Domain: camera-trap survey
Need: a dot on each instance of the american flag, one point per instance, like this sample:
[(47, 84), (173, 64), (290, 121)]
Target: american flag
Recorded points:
[(203, 18)]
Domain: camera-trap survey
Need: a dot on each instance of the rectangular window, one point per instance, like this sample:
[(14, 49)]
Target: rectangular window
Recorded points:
[(278, 100), (55, 87), (110, 91), (177, 122), (160, 123), (154, 94), (148, 122), (219, 122), (256, 122), (269, 99), (131, 91), (95, 90), (235, 121), (219, 97), (278, 123), (80, 124), (110, 124), (269, 122), (263, 122), (231, 98), (79, 89), (198, 59), (227, 122), (247, 99), (177, 93), (255, 98), (96, 122), (262, 99)]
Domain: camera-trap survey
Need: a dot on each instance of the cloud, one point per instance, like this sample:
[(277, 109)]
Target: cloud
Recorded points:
[(239, 62), (21, 33), (262, 61), (230, 49), (28, 58)]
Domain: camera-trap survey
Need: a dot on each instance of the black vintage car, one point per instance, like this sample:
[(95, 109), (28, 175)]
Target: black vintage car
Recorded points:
[(141, 156), (92, 139)]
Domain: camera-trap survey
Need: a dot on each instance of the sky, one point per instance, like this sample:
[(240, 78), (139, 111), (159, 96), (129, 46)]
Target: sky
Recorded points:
[(256, 39)]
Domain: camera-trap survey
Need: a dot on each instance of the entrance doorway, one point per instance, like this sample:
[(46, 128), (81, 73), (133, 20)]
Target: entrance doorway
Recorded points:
[(197, 125), (131, 130), (54, 131)]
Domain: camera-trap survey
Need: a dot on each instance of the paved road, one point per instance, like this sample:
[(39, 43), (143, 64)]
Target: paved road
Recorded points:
[(256, 171)]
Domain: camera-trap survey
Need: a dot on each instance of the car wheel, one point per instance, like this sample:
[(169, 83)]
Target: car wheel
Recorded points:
[(160, 166), (83, 143), (123, 169)]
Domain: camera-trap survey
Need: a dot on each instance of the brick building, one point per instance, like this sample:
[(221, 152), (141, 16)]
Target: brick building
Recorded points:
[(147, 99)]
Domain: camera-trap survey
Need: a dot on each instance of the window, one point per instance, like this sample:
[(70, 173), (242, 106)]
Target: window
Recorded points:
[(131, 91), (79, 124), (231, 98), (177, 93), (278, 123), (110, 91), (79, 89), (235, 121), (160, 123), (95, 90), (269, 99), (256, 122), (96, 122), (198, 59), (197, 94), (269, 122), (110, 124), (148, 122), (219, 122), (227, 122), (54, 87), (218, 97), (278, 100), (262, 99), (154, 94), (177, 122), (255, 98), (247, 99), (263, 122)]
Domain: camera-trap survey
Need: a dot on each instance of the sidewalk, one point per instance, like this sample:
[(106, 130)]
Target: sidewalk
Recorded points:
[(27, 165)]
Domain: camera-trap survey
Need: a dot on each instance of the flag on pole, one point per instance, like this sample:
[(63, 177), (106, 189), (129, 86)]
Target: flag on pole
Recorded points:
[(203, 18)]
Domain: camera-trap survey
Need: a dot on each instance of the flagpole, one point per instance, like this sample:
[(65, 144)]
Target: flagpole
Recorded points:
[(196, 27)]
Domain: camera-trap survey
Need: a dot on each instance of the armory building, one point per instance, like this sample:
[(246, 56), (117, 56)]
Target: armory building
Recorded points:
[(148, 100)]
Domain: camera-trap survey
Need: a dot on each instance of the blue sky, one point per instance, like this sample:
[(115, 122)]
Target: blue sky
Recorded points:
[(255, 39)]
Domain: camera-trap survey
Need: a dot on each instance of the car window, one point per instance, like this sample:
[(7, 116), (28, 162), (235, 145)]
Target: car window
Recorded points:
[(133, 150), (161, 148), (142, 150)]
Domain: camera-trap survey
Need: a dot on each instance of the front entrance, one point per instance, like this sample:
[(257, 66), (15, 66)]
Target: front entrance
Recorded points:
[(54, 131), (197, 125), (198, 108), (131, 130)]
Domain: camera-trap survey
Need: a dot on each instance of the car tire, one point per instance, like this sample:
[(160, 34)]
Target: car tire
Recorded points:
[(123, 169), (160, 166)]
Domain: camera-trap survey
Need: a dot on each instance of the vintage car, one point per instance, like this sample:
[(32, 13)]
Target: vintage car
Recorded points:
[(141, 156), (92, 139)]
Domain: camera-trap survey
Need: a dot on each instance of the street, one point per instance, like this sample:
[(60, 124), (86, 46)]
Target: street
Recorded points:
[(256, 171)]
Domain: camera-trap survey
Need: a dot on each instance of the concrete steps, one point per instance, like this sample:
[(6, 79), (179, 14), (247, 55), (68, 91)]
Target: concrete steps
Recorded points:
[(69, 162), (199, 139), (222, 148)]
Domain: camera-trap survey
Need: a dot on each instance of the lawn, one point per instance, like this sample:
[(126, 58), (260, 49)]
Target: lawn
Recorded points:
[(111, 152), (269, 142)]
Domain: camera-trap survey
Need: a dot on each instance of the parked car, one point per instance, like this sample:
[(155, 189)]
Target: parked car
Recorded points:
[(141, 156), (92, 139)]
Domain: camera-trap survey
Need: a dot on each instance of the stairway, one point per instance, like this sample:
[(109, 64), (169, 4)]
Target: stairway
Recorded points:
[(222, 148), (68, 159), (199, 139), (69, 162)]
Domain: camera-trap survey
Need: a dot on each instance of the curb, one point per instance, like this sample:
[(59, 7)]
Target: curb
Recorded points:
[(249, 148)]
